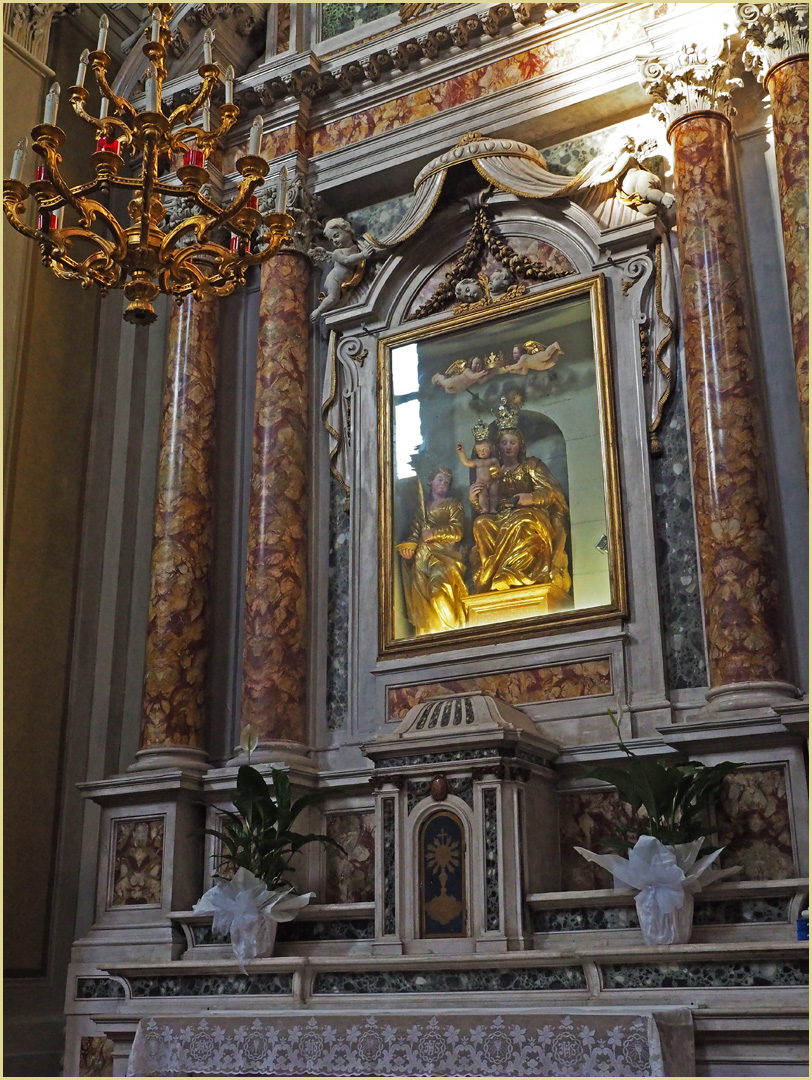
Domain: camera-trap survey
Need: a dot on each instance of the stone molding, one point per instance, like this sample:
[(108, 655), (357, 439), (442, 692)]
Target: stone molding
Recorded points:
[(774, 33), (696, 78), (29, 27)]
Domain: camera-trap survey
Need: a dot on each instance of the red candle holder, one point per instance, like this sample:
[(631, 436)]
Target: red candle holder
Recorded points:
[(253, 202), (195, 157), (235, 243), (41, 173), (106, 142), (46, 222)]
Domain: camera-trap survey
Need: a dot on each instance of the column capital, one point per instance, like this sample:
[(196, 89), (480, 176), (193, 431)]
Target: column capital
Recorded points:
[(694, 79), (774, 33)]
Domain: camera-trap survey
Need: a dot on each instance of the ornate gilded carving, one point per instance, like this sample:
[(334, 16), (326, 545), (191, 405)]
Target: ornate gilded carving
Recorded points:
[(774, 33), (696, 79)]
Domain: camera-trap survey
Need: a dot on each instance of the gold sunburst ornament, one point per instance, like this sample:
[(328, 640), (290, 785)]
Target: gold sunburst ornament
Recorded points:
[(146, 258)]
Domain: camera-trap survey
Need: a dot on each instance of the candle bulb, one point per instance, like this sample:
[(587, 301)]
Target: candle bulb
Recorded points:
[(104, 26), (208, 40), (104, 107), (230, 85), (18, 160), (83, 62), (51, 105), (206, 118), (151, 88), (156, 25), (256, 135)]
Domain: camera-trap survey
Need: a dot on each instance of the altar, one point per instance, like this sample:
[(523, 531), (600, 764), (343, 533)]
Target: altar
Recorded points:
[(531, 1042)]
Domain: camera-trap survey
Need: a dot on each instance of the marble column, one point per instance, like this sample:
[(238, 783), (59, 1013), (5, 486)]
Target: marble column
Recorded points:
[(747, 659), (274, 694), (777, 52), (174, 683)]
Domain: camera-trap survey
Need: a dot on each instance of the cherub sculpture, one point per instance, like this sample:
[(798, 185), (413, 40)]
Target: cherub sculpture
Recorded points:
[(635, 185), (532, 356), (502, 279), (469, 291), (349, 263), (487, 469)]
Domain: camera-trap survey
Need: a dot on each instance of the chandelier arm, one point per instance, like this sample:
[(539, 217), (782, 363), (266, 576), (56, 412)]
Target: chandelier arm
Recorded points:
[(87, 209), (244, 193), (206, 140), (99, 62), (168, 243), (210, 75), (13, 202), (102, 126)]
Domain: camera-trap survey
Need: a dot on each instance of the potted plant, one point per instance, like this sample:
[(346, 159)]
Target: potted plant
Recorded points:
[(260, 842), (672, 804)]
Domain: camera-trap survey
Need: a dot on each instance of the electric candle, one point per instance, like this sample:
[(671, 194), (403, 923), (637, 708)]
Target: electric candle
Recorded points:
[(230, 85), (104, 26), (83, 62), (151, 88), (104, 107), (256, 135), (206, 110), (282, 189), (156, 25), (208, 40), (18, 160), (51, 105)]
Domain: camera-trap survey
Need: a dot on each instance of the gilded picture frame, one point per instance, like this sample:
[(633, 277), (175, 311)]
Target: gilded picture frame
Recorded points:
[(499, 504)]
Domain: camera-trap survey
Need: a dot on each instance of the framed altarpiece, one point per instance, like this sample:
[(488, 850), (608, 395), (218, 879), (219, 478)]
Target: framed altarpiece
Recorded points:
[(498, 502), (496, 456)]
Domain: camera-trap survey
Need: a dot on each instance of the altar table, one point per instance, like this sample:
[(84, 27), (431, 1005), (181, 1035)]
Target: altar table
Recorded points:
[(565, 1042)]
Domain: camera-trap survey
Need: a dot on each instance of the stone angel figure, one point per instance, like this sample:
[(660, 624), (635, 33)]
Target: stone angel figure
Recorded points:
[(349, 263), (635, 185)]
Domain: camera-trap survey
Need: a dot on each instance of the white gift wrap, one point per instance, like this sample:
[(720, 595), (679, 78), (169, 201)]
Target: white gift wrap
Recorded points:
[(665, 877), (247, 910)]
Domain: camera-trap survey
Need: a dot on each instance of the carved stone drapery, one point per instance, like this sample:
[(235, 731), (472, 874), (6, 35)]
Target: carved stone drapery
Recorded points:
[(777, 52), (747, 661)]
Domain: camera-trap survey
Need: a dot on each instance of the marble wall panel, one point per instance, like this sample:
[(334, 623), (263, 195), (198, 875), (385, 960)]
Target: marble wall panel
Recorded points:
[(550, 57), (338, 607), (350, 877), (677, 568), (753, 822), (138, 862), (580, 678), (282, 28), (588, 819), (95, 1056), (284, 140)]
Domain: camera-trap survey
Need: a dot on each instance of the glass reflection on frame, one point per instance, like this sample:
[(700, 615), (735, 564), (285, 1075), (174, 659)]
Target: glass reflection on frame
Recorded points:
[(499, 501)]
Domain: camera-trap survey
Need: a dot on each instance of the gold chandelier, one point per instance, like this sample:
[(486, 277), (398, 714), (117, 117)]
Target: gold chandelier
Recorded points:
[(145, 259)]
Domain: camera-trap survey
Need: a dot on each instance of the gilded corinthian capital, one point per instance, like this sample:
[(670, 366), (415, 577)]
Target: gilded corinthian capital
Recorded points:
[(694, 79), (773, 32)]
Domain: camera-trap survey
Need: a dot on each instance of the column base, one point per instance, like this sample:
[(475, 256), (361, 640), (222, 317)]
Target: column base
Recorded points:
[(154, 758), (744, 697), (295, 756)]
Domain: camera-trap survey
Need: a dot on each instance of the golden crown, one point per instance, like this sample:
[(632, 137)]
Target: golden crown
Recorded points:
[(481, 431), (507, 416)]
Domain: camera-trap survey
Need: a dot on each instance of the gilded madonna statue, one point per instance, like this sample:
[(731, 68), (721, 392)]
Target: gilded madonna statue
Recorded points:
[(434, 569), (523, 542)]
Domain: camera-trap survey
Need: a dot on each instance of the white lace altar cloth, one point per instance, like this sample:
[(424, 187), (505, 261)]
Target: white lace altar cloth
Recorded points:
[(564, 1043)]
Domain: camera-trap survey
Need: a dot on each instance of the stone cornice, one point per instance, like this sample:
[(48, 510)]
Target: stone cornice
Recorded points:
[(774, 33)]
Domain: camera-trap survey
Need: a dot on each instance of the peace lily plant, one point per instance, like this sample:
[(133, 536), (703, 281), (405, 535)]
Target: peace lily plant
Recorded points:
[(259, 840), (672, 804)]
